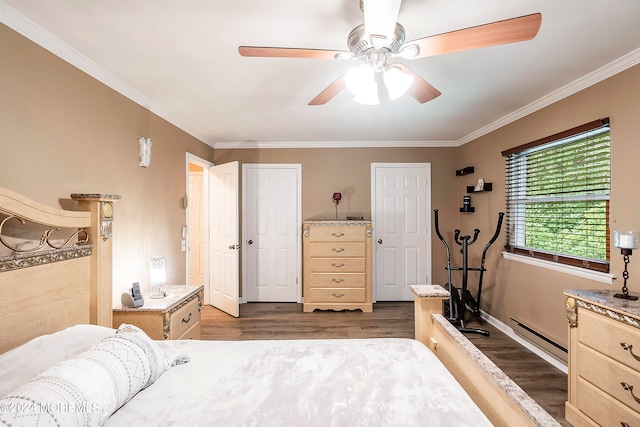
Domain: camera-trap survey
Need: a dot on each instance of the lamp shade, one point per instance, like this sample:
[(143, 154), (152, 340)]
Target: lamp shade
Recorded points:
[(158, 276), (397, 82)]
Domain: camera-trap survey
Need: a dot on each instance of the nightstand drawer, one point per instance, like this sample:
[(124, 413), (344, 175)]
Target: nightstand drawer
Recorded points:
[(183, 318), (332, 265), (336, 234), (193, 333), (333, 280), (337, 250)]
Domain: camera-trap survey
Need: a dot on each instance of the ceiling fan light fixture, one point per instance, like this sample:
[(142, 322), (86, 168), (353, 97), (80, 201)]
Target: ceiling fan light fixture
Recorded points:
[(396, 81), (361, 82), (359, 79)]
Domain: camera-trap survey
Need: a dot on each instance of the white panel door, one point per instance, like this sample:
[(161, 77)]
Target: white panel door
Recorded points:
[(225, 243), (401, 201), (271, 233)]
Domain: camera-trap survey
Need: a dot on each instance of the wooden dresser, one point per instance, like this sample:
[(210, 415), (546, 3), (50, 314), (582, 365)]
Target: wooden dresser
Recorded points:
[(337, 265), (174, 317), (604, 359)]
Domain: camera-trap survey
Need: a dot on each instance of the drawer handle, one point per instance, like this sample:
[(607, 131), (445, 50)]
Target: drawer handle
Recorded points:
[(337, 249), (629, 388), (337, 234), (340, 280), (629, 347), (186, 319), (333, 264), (340, 295)]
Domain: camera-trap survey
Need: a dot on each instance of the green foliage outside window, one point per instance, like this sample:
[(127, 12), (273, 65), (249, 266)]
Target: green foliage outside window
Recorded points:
[(559, 197)]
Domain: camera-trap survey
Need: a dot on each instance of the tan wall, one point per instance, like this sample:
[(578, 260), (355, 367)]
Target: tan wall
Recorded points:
[(348, 170), (63, 132), (533, 294)]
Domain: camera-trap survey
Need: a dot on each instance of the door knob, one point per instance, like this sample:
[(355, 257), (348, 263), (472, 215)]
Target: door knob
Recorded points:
[(232, 247), (380, 241), (250, 242)]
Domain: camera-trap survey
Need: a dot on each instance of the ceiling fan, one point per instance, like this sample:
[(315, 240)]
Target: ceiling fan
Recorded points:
[(381, 39)]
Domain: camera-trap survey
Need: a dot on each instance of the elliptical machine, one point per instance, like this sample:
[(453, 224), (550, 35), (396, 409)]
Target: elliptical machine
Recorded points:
[(455, 308)]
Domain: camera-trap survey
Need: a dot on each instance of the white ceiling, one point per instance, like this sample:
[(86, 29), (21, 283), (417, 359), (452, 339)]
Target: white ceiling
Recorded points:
[(180, 59)]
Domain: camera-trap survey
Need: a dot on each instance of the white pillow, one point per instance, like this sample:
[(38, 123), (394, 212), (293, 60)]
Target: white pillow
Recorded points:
[(21, 364), (86, 389)]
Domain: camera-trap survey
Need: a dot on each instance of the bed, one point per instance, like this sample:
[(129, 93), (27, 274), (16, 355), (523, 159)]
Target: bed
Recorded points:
[(61, 363)]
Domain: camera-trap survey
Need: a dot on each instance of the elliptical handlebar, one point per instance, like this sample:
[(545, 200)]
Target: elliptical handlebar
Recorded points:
[(475, 236), (493, 239)]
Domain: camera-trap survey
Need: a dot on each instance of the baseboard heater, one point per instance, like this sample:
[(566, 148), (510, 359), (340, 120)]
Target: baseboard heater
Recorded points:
[(539, 340)]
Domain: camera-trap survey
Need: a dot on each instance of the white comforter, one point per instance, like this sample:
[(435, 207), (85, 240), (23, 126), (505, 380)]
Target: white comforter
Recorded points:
[(372, 382)]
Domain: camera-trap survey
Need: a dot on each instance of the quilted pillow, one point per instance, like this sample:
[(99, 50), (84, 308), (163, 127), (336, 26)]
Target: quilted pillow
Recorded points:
[(19, 365), (86, 389)]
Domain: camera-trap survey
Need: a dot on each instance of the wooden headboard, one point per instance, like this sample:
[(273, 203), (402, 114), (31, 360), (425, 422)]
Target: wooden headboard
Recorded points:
[(46, 286)]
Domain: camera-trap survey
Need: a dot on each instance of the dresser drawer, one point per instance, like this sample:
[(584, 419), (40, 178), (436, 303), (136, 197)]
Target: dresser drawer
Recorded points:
[(602, 408), (337, 234), (610, 337), (335, 295), (332, 280), (337, 250), (609, 376), (332, 265), (183, 318)]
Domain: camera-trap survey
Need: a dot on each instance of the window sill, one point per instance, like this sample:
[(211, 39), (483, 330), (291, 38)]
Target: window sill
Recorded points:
[(567, 269)]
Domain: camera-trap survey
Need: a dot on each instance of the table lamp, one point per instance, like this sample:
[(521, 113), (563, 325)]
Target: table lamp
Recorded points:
[(158, 277)]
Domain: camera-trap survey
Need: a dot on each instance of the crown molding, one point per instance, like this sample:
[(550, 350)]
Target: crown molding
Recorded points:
[(48, 41), (334, 144), (602, 73)]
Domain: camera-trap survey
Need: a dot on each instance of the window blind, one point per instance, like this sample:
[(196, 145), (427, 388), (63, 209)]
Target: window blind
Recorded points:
[(557, 192)]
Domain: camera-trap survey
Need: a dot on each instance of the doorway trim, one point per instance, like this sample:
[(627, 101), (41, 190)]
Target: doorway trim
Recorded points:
[(206, 165), (298, 168)]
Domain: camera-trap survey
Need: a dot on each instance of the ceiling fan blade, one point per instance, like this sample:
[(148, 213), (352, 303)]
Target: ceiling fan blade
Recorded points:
[(421, 90), (326, 95), (288, 52), (380, 17), (500, 32)]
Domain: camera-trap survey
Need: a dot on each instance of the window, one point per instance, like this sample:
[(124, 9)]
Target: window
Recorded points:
[(557, 191)]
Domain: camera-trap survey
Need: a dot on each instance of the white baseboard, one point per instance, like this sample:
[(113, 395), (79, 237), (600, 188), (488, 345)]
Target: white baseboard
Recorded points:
[(527, 344)]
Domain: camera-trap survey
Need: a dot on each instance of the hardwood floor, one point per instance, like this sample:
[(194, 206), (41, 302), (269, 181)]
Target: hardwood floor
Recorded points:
[(541, 380)]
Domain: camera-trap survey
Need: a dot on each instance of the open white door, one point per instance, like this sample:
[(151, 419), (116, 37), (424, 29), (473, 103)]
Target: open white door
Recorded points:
[(225, 241)]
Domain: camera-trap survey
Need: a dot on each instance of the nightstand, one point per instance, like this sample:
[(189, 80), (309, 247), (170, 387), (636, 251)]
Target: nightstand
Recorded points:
[(174, 317)]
